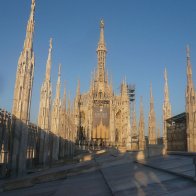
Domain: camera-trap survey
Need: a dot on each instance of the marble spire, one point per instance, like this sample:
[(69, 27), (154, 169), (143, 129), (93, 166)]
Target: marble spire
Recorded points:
[(190, 107), (151, 121), (44, 116), (63, 116), (56, 106), (25, 74), (166, 109), (58, 86), (64, 100), (141, 127), (101, 55), (49, 62), (28, 43)]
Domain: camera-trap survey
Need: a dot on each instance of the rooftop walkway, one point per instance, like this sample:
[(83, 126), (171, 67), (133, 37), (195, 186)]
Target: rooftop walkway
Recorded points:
[(180, 164), (106, 173)]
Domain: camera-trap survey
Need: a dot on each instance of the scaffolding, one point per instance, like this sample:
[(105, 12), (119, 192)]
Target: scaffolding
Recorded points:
[(131, 94), (133, 133)]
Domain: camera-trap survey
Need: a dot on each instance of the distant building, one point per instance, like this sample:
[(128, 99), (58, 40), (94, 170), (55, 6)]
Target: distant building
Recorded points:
[(177, 133)]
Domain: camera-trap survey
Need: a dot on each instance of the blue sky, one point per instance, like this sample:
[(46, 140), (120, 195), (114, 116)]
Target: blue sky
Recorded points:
[(142, 38)]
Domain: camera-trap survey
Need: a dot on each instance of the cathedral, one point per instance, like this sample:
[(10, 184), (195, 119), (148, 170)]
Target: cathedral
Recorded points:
[(98, 116), (101, 116)]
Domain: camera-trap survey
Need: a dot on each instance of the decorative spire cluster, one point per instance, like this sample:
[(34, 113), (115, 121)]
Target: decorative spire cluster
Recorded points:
[(116, 106)]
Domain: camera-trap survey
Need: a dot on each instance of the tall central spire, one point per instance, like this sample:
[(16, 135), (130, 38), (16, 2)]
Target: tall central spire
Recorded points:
[(101, 43), (101, 55)]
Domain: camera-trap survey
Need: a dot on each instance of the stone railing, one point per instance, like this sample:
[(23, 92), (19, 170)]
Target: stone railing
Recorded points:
[(25, 147), (5, 139)]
